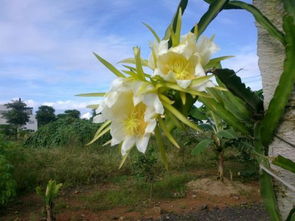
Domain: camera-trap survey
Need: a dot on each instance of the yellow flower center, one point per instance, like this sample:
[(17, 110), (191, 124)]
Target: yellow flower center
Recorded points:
[(182, 68), (135, 124)]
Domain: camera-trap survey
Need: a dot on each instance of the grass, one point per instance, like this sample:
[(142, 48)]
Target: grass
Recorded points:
[(135, 193)]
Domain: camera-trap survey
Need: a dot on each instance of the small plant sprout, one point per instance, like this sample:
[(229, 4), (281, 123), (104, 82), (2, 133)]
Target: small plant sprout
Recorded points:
[(50, 194)]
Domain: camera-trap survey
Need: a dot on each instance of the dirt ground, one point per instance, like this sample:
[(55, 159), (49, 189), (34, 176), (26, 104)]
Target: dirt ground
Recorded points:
[(205, 199)]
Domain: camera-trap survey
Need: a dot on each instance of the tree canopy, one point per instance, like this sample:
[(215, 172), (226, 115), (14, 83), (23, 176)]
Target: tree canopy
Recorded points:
[(44, 115), (17, 113)]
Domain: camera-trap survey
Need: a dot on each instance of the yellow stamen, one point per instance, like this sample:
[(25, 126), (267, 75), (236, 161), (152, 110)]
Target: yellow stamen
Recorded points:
[(135, 124), (182, 68)]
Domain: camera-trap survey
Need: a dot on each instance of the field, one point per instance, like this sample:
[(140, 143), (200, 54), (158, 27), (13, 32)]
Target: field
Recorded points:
[(95, 189)]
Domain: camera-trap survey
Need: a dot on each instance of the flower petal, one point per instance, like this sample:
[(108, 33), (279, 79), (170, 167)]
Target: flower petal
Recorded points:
[(127, 144), (99, 118), (142, 143), (151, 126)]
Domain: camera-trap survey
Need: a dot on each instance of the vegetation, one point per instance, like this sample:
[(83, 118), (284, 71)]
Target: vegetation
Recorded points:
[(65, 131), (7, 182), (17, 114), (49, 195), (44, 115)]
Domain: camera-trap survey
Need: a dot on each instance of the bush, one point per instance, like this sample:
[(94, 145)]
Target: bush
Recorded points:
[(7, 183), (64, 132), (73, 166)]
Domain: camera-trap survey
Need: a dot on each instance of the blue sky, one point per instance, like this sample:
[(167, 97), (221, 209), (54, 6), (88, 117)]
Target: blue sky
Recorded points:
[(46, 46)]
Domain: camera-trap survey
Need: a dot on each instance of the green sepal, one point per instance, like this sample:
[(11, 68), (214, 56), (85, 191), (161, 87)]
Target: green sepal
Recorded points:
[(109, 66)]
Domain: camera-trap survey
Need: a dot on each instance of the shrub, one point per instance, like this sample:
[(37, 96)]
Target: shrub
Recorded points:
[(63, 132), (7, 183)]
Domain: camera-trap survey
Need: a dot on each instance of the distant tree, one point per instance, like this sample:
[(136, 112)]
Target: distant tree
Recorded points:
[(73, 113), (70, 113), (44, 115), (17, 114)]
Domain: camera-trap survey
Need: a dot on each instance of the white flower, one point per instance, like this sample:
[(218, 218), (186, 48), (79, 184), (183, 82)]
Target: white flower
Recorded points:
[(182, 63), (132, 113)]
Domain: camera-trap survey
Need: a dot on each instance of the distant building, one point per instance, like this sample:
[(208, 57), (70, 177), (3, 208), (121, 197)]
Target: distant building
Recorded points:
[(30, 125)]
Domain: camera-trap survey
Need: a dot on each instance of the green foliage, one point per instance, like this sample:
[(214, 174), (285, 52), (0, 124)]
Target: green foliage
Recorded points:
[(7, 131), (235, 85), (268, 195), (44, 115), (202, 146), (145, 165), (73, 166), (51, 192), (172, 26), (257, 14), (284, 163), (64, 131), (17, 114), (290, 8), (214, 8), (70, 113), (7, 182)]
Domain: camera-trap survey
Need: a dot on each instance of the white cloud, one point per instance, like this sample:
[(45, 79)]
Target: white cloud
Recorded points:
[(246, 62), (69, 104), (86, 116)]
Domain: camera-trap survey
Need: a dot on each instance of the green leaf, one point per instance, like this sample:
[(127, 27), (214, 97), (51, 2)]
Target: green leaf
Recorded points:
[(161, 147), (168, 134), (229, 134), (203, 145), (214, 8), (91, 95), (175, 35), (197, 114), (284, 163), (172, 27), (109, 66), (138, 64), (144, 62), (259, 17), (180, 116), (224, 114), (284, 89), (231, 103), (268, 196), (153, 32), (104, 128), (215, 62), (235, 85)]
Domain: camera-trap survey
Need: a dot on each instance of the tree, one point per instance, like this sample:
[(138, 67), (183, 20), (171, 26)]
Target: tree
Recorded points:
[(73, 113), (70, 113), (45, 115), (17, 114), (271, 57)]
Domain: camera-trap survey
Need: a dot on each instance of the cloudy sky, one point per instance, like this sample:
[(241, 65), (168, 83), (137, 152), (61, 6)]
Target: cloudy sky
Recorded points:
[(46, 46)]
